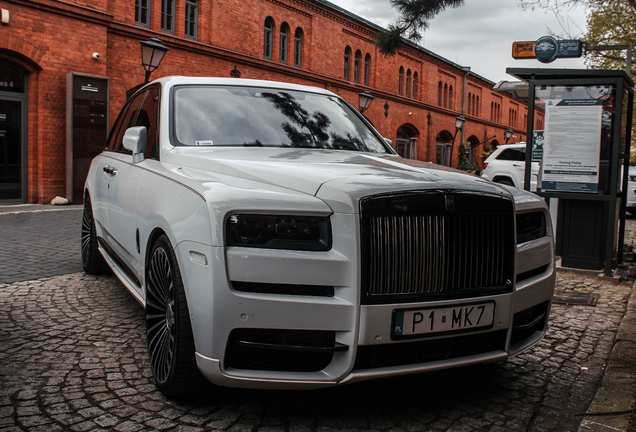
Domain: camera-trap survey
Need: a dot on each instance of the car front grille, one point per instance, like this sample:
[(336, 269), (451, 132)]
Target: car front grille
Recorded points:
[(439, 245)]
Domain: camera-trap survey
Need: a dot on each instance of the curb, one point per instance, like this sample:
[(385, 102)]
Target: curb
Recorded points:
[(35, 208), (614, 404)]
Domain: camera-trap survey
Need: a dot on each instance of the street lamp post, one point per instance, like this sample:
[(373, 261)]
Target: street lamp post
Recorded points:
[(364, 100), (508, 134), (459, 123), (152, 52)]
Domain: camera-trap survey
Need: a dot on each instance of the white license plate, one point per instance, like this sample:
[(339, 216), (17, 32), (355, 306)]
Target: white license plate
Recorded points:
[(443, 319)]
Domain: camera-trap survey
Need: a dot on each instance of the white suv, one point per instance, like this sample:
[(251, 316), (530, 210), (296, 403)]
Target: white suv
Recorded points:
[(507, 165)]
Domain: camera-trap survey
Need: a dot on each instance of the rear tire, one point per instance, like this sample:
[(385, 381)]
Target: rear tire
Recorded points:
[(168, 329), (92, 260)]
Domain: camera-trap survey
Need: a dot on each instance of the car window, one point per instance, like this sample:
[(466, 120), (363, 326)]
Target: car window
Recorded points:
[(112, 138), (148, 116), (260, 117), (127, 121), (511, 155)]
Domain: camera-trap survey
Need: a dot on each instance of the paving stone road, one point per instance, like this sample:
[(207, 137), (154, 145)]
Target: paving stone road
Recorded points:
[(73, 358), (40, 244)]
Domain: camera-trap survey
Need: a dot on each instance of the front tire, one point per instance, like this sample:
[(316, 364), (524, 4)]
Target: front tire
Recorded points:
[(92, 260), (168, 329)]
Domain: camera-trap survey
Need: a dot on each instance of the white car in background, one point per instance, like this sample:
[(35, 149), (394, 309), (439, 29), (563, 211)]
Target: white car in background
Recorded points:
[(507, 164), (277, 241)]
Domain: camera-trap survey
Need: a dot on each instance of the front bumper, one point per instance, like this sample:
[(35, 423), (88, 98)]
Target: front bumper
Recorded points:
[(219, 311)]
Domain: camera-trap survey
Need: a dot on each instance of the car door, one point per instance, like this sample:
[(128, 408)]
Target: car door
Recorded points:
[(101, 185), (123, 180), (518, 166)]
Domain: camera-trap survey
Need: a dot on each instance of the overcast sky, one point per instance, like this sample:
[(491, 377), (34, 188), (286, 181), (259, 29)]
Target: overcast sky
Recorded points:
[(480, 33)]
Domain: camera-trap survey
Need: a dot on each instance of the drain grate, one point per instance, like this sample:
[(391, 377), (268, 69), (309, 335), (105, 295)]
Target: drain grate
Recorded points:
[(575, 298)]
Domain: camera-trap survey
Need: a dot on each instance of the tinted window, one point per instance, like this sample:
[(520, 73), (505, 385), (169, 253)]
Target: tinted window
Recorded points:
[(124, 122), (512, 155), (148, 117), (257, 117)]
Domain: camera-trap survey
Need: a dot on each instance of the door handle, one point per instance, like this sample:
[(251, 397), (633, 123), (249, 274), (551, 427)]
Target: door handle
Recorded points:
[(110, 170), (516, 164)]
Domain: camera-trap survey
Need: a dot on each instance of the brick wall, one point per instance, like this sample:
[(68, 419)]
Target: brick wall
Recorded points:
[(49, 38)]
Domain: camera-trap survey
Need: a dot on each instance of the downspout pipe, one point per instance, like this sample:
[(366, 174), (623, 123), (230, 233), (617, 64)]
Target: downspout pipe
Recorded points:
[(466, 69)]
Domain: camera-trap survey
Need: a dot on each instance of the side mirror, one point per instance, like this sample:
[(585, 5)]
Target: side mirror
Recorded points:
[(389, 142), (135, 141)]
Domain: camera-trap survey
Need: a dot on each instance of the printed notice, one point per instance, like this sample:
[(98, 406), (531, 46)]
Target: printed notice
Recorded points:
[(571, 146)]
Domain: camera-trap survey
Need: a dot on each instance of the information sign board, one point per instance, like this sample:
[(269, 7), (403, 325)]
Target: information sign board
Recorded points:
[(571, 145)]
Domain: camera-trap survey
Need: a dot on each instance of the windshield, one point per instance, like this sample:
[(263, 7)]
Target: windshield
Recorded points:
[(259, 117)]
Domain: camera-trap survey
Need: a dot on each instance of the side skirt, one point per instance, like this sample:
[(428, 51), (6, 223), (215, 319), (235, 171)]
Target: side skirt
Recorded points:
[(121, 270)]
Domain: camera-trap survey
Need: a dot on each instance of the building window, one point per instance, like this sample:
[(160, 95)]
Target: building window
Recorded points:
[(400, 80), (298, 47), (267, 43), (445, 96), (450, 97), (439, 94), (408, 83), (367, 63), (142, 12), (346, 62), (477, 107), (192, 18), (415, 85), (284, 31), (356, 67), (167, 15), (468, 108)]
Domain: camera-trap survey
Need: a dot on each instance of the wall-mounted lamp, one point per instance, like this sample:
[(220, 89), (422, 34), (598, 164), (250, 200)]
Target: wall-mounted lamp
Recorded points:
[(459, 123), (508, 134), (152, 52), (364, 100)]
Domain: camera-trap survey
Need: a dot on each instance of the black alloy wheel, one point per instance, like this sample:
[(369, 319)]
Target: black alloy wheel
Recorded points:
[(168, 329), (92, 260)]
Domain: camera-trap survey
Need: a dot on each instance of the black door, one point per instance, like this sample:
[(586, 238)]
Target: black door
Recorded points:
[(13, 159)]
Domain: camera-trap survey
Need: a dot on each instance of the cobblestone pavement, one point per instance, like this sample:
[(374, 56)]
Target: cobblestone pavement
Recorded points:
[(40, 244), (73, 357)]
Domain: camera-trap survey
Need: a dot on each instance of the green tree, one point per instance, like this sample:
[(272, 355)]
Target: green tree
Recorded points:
[(414, 17), (611, 22)]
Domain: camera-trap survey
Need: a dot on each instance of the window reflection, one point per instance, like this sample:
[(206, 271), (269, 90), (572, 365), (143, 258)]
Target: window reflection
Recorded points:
[(241, 116)]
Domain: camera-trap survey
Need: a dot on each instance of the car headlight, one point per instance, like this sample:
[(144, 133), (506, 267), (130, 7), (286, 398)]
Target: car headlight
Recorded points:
[(309, 233), (530, 226)]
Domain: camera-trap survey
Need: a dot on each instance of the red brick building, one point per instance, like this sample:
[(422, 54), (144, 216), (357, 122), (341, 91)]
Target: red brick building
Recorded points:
[(66, 66)]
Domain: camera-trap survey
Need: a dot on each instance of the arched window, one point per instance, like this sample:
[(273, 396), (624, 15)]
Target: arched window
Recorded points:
[(439, 94), (346, 62), (445, 96), (450, 97), (468, 108), (267, 44), (474, 108), (414, 85), (400, 80), (356, 67), (477, 109), (367, 65), (408, 83), (284, 32), (298, 47)]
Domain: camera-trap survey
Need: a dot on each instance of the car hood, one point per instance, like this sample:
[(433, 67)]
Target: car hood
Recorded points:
[(340, 178)]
